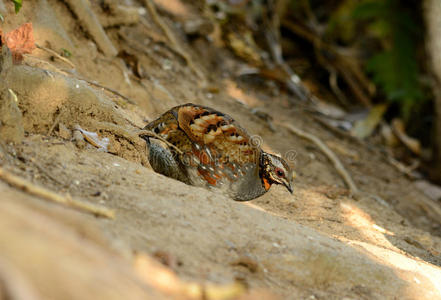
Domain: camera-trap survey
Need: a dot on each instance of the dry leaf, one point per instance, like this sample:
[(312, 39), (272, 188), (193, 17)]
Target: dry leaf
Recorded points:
[(93, 139), (20, 41)]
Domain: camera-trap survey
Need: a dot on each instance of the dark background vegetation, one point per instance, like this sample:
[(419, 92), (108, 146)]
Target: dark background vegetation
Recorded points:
[(356, 54)]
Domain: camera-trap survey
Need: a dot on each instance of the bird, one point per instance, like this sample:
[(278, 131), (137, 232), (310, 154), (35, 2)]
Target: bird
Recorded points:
[(203, 147)]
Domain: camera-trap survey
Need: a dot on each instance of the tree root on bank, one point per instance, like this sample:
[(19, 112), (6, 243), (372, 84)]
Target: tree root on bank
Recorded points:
[(88, 19), (331, 156), (172, 39), (355, 192), (52, 52)]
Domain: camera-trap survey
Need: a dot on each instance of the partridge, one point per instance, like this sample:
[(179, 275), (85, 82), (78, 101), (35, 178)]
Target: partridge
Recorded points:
[(211, 150)]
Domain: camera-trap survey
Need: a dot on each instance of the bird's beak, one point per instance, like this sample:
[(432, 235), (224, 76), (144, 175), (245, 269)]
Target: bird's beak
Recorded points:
[(288, 186), (146, 138)]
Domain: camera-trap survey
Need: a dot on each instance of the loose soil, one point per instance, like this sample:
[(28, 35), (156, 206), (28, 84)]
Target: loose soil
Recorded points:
[(318, 243)]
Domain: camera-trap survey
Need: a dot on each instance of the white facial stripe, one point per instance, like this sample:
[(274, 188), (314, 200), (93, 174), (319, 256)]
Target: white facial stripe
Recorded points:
[(277, 163)]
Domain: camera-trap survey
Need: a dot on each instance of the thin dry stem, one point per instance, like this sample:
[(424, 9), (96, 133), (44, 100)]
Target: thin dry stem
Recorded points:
[(132, 135), (56, 55), (154, 135), (109, 89), (56, 121), (328, 152), (55, 69)]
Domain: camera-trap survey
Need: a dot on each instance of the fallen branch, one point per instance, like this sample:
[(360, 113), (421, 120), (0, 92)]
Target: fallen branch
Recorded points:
[(41, 192), (328, 152)]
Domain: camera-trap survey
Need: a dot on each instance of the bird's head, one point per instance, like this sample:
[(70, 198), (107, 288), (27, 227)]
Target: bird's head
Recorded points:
[(276, 170)]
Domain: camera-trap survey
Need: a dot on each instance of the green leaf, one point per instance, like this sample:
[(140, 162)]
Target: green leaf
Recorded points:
[(397, 75), (370, 9), (66, 53), (395, 68), (1, 18), (341, 25), (380, 29), (18, 4)]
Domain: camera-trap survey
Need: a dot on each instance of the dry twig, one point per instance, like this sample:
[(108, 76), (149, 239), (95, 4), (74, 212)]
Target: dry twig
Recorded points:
[(154, 135), (109, 89), (52, 68), (41, 192), (131, 135), (56, 121), (56, 55), (328, 152)]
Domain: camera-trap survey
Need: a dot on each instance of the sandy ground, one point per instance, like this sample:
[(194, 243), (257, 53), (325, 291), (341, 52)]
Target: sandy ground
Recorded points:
[(316, 244)]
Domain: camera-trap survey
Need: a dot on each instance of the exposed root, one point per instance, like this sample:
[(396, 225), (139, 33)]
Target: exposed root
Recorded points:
[(51, 196), (39, 63), (331, 156), (56, 55), (170, 36), (88, 19)]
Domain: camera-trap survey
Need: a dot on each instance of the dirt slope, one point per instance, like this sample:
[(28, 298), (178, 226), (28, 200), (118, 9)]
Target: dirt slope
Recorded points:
[(316, 244)]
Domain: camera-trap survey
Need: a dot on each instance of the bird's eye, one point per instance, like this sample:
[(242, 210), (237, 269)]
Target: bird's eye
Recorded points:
[(279, 172)]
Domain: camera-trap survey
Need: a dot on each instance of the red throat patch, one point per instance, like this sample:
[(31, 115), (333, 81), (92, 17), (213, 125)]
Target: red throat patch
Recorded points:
[(266, 184)]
